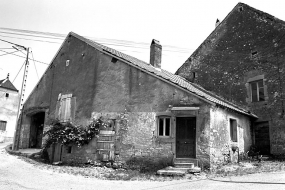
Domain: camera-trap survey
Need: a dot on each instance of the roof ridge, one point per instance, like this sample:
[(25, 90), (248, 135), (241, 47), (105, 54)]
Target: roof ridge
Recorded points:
[(165, 75), (237, 5)]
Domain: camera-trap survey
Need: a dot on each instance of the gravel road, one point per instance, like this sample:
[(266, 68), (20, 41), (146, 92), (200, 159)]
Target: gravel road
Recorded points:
[(17, 174)]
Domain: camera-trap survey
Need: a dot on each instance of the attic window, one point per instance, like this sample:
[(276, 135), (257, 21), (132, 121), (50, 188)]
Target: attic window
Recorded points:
[(6, 95), (114, 60), (67, 62), (240, 9)]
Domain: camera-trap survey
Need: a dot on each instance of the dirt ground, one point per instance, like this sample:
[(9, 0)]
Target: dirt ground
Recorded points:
[(17, 174)]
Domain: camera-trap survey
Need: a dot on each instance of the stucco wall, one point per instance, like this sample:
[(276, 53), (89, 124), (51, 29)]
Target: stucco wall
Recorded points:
[(104, 88), (8, 112), (220, 141)]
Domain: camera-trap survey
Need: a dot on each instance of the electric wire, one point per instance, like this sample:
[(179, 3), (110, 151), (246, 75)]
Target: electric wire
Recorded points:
[(35, 65), (9, 53), (25, 57), (19, 71)]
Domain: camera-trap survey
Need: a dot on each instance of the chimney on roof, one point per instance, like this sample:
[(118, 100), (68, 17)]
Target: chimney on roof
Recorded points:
[(217, 22), (155, 54)]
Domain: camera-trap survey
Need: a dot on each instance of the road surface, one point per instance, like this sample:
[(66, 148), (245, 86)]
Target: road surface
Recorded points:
[(17, 174)]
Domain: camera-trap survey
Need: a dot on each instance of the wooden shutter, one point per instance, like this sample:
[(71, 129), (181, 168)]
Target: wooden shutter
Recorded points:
[(67, 109), (56, 113), (73, 109)]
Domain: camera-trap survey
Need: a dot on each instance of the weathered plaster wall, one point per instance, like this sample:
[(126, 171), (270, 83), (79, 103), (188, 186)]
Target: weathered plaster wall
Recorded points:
[(8, 112), (220, 142), (103, 87)]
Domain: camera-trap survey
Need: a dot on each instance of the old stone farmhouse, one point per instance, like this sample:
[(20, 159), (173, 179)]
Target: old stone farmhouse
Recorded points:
[(167, 117), (9, 99), (243, 60)]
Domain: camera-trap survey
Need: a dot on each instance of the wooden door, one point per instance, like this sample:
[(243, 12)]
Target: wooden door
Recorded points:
[(262, 140), (185, 137), (106, 143)]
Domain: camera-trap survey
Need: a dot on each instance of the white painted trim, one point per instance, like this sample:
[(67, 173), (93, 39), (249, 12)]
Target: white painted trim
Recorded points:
[(258, 77), (185, 108)]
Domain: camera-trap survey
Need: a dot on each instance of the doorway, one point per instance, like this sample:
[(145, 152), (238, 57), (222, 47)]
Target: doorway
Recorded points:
[(36, 130), (262, 139), (185, 137)]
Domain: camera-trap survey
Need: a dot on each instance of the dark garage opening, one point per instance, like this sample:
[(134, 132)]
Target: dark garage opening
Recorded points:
[(36, 130)]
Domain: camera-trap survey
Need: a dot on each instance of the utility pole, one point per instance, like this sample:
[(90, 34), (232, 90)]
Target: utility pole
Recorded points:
[(21, 100)]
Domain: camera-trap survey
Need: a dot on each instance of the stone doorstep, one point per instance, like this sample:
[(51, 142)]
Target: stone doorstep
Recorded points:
[(183, 165), (186, 160), (174, 171)]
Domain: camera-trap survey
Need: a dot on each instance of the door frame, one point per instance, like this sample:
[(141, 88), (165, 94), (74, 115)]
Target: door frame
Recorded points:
[(175, 128)]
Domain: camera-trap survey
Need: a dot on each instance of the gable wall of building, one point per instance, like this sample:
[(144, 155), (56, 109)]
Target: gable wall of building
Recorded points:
[(247, 44)]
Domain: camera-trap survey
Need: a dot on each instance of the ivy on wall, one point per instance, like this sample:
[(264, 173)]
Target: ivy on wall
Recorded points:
[(67, 133)]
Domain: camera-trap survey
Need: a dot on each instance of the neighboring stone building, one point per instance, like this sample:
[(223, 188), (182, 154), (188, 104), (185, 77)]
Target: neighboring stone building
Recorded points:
[(243, 60), (165, 116), (9, 99)]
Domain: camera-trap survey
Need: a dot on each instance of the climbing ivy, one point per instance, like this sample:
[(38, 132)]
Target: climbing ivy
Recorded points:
[(67, 133)]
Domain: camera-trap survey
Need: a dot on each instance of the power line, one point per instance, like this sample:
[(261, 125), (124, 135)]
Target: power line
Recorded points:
[(19, 71), (13, 44), (25, 57), (9, 53), (102, 40), (35, 64)]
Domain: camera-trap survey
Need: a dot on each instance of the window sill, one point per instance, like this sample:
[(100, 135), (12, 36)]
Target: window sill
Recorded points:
[(164, 139), (261, 103)]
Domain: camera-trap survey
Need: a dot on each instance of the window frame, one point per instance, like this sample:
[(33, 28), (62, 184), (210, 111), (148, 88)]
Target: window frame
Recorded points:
[(4, 124), (251, 83), (164, 117), (248, 86), (231, 130)]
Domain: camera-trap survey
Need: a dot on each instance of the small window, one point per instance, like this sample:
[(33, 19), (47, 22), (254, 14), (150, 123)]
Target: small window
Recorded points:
[(257, 91), (7, 95), (164, 126), (233, 130), (114, 60), (3, 125)]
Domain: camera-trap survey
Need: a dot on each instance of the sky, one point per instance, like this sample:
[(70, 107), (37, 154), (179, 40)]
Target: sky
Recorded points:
[(125, 25)]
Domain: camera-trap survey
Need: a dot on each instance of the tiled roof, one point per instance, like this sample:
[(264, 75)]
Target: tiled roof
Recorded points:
[(6, 83), (165, 75)]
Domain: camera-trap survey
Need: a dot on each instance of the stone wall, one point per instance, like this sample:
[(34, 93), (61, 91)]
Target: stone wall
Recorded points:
[(246, 44)]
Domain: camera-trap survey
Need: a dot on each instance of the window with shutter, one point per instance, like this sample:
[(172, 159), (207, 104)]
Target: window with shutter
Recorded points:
[(233, 130), (65, 108)]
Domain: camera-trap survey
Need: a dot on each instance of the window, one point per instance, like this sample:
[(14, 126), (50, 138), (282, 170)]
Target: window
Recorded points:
[(164, 126), (233, 130), (7, 95), (3, 125), (65, 108), (257, 91)]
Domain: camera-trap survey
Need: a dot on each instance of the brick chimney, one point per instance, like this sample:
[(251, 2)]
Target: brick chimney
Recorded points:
[(155, 54)]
